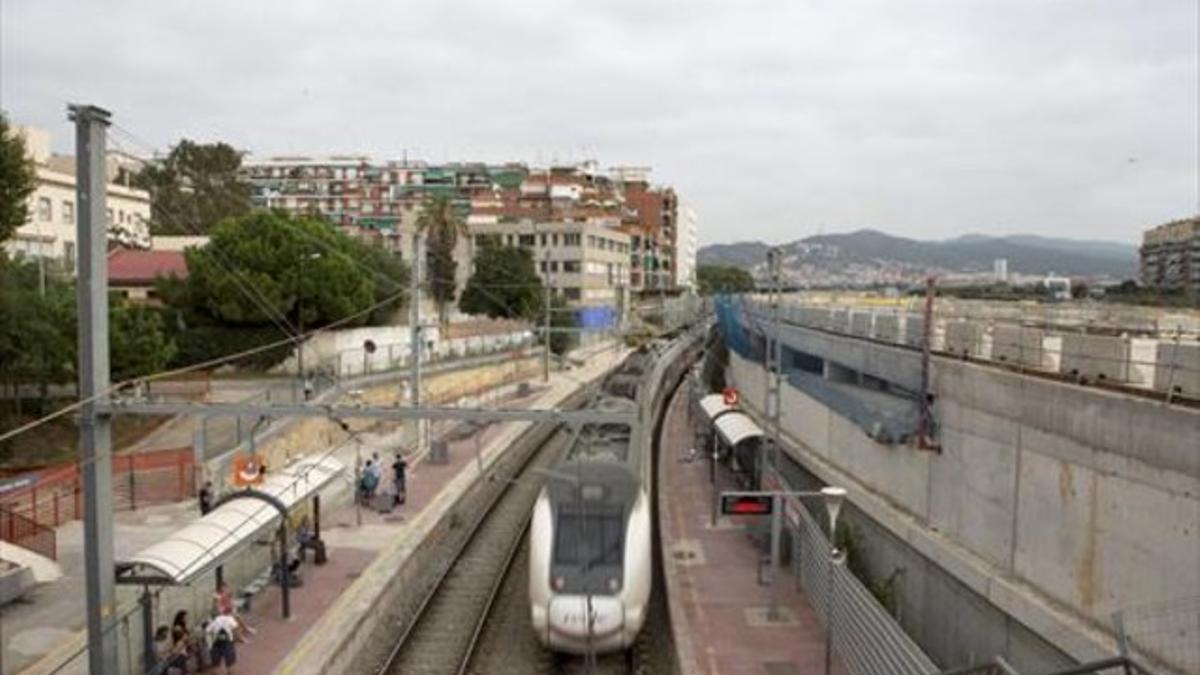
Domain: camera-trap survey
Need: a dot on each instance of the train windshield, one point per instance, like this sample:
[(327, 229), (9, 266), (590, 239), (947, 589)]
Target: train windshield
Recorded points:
[(594, 537)]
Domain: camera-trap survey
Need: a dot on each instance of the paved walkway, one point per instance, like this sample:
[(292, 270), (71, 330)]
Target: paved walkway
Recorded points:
[(718, 608)]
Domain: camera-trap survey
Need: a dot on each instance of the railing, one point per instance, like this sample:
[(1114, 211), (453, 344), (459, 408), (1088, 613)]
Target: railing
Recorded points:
[(865, 636), (28, 534), (54, 496)]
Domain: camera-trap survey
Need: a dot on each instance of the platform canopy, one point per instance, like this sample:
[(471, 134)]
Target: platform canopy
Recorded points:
[(736, 427), (212, 539), (713, 405)]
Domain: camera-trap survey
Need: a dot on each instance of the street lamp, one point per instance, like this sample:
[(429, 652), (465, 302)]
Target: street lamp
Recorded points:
[(300, 322)]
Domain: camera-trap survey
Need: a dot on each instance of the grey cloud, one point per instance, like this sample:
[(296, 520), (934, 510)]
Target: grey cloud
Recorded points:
[(926, 118)]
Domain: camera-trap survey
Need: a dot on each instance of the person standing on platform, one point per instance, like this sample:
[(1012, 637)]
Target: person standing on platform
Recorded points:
[(399, 480), (221, 631), (207, 497)]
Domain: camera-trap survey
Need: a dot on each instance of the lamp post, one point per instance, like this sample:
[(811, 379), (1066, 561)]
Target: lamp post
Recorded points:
[(300, 321), (832, 498)]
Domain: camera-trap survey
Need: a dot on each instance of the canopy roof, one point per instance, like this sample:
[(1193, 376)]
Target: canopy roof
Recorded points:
[(713, 405), (733, 426), (209, 541), (736, 427)]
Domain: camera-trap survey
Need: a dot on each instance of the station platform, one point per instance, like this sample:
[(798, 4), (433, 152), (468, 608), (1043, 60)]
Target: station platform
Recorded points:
[(719, 610), (364, 558), (364, 547)]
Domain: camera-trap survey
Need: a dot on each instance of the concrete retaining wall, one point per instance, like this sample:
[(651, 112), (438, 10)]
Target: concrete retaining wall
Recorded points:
[(1057, 504)]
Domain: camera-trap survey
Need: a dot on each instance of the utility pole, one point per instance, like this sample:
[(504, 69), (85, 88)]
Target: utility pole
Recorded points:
[(546, 324), (773, 357), (95, 429), (414, 320)]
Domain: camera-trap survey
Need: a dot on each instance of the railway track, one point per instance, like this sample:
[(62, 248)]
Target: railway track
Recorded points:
[(475, 619), (447, 624)]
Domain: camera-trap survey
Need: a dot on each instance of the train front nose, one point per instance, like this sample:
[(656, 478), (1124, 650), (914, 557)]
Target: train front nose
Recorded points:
[(572, 631)]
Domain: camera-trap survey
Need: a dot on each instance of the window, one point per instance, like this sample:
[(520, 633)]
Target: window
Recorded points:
[(543, 240), (69, 254), (572, 293), (108, 215), (525, 240), (572, 239), (553, 265), (554, 238), (43, 209), (571, 266), (68, 212), (591, 241), (542, 266), (121, 216), (589, 539)]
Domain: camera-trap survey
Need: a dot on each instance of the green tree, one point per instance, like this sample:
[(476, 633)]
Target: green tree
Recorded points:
[(441, 226), (195, 186), (17, 180), (716, 279), (505, 285), (138, 342), (266, 265), (561, 317)]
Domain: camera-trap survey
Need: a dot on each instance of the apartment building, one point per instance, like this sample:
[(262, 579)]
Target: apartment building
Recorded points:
[(381, 201), (1170, 256), (686, 245), (587, 262), (50, 231)]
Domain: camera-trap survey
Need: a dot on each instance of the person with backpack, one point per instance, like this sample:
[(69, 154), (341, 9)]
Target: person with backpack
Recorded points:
[(368, 483), (223, 650)]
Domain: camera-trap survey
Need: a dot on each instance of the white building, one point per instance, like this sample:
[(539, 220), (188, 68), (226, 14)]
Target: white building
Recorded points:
[(50, 232), (687, 234), (1000, 270)]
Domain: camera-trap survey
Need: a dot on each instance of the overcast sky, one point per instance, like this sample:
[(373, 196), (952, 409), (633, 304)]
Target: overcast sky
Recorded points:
[(774, 120)]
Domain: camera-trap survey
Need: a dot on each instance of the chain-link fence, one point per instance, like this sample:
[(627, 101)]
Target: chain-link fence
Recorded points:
[(1164, 634)]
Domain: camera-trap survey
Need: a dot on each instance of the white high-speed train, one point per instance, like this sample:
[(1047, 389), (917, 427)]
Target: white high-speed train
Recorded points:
[(590, 553)]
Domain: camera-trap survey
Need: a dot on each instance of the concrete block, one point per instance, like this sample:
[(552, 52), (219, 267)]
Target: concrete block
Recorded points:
[(1095, 357), (889, 328), (862, 323), (1052, 353), (914, 330), (839, 320), (966, 338), (1143, 353), (1177, 368), (1018, 345)]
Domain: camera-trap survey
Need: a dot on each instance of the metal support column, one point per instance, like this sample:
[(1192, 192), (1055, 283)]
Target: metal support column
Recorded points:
[(774, 359), (776, 534), (414, 321), (91, 124), (546, 324)]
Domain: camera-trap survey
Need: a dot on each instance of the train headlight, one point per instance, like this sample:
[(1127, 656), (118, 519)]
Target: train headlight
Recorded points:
[(559, 583), (613, 584)]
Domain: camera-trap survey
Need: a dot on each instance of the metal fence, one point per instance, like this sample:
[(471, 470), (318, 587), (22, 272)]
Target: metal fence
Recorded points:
[(1164, 634), (28, 534), (865, 636)]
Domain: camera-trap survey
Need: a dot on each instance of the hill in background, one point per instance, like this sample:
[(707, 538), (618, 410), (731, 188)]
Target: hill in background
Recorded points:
[(870, 256)]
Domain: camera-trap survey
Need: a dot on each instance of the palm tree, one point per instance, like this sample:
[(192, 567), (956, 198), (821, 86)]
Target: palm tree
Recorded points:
[(441, 226)]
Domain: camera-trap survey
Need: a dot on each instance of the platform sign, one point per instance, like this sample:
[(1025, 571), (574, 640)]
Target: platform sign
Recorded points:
[(747, 503)]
